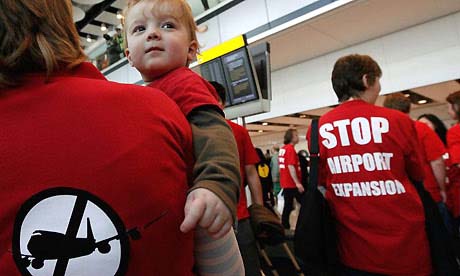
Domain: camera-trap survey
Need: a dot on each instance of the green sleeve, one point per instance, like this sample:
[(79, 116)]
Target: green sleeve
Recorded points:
[(216, 156)]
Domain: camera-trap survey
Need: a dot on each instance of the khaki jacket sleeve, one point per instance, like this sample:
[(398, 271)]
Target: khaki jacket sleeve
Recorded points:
[(216, 156)]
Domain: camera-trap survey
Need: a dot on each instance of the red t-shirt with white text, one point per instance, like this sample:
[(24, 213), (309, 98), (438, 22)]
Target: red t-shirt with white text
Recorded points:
[(367, 155), (286, 157), (248, 156)]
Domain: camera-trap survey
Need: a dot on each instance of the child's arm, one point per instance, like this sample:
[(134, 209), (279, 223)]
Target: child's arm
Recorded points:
[(219, 257), (211, 202)]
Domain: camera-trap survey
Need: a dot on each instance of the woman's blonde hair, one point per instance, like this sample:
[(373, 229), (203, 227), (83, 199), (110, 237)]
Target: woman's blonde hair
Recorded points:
[(179, 9), (36, 35)]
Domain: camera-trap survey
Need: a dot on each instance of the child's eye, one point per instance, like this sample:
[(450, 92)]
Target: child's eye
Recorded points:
[(138, 28), (167, 25)]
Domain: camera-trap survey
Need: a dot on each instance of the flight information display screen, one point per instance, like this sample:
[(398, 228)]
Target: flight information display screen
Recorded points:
[(239, 77), (245, 74)]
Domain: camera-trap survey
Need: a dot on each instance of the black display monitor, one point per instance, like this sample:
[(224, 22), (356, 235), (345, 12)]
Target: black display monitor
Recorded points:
[(213, 71), (260, 55), (240, 78), (245, 73)]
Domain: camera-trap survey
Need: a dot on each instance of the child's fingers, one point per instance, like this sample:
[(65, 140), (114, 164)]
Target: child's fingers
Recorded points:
[(210, 214), (193, 210), (223, 231), (217, 224)]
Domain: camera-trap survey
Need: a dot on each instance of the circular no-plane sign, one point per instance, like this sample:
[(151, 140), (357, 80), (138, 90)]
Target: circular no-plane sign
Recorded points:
[(66, 231)]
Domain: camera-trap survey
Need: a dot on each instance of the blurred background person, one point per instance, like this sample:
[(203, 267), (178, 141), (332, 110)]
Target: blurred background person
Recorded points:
[(113, 49), (264, 172), (275, 170), (432, 150), (453, 145), (290, 177), (435, 124), (304, 167)]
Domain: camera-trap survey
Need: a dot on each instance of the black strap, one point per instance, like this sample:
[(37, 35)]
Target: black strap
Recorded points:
[(314, 155)]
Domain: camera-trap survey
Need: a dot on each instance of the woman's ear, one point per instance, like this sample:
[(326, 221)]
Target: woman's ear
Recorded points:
[(365, 81), (192, 49)]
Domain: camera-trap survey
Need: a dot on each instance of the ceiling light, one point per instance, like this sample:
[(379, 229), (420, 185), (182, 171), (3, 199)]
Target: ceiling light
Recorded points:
[(303, 116), (119, 15), (265, 124), (407, 95), (260, 131), (88, 38), (103, 27), (422, 101)]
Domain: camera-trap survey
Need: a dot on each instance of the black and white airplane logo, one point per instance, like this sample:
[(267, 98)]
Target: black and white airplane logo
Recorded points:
[(47, 245), (66, 231)]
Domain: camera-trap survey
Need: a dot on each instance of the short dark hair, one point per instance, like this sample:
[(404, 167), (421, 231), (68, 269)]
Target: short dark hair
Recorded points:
[(439, 126), (289, 135), (397, 101), (454, 100), (220, 89), (348, 72)]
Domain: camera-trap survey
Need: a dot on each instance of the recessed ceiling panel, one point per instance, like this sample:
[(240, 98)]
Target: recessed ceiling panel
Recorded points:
[(120, 4), (109, 18), (93, 29)]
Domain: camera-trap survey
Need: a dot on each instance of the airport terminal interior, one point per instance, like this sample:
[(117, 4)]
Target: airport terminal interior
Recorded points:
[(414, 41), (275, 57)]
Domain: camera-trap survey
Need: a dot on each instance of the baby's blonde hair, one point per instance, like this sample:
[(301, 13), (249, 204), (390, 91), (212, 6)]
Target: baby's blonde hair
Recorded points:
[(179, 9)]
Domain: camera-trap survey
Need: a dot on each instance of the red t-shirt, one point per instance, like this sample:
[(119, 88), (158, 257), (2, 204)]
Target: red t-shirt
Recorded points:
[(432, 149), (368, 154), (248, 156), (287, 156), (187, 89), (453, 143), (119, 150)]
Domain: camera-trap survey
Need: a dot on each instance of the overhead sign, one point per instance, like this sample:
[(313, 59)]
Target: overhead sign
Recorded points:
[(222, 49)]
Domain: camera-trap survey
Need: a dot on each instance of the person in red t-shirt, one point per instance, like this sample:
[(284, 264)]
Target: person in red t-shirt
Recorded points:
[(290, 178), (435, 124), (453, 145), (452, 188), (432, 150), (94, 174), (248, 160), (368, 156)]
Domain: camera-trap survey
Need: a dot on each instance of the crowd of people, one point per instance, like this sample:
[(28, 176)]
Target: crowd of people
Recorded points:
[(155, 176)]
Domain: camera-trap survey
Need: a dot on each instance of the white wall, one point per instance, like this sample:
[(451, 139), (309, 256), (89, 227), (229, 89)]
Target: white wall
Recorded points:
[(244, 17), (240, 19), (421, 55), (125, 74), (425, 54)]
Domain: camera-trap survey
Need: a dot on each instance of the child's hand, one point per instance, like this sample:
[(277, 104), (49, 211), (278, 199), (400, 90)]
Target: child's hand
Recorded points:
[(204, 208)]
